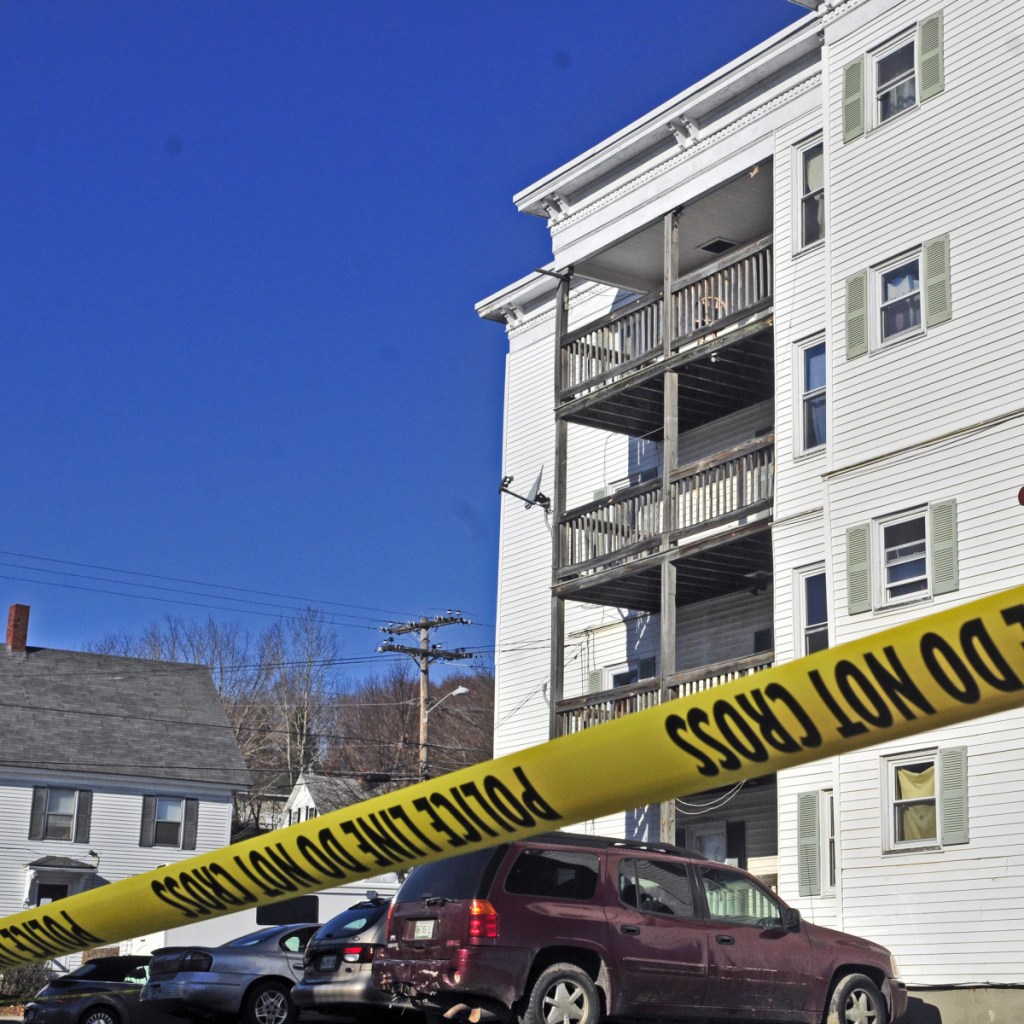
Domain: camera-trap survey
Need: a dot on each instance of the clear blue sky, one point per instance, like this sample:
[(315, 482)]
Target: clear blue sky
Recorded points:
[(241, 244)]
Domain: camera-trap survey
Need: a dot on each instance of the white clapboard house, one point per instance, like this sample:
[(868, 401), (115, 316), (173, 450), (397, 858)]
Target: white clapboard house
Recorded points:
[(109, 767), (773, 378)]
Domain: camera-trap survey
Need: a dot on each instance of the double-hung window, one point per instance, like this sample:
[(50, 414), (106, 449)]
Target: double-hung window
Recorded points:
[(60, 813), (897, 76), (811, 157), (813, 611), (904, 557), (899, 302), (904, 297), (169, 821), (925, 799), (813, 408)]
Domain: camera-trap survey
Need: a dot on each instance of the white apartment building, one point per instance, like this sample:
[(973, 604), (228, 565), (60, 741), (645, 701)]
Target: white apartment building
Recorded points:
[(773, 380)]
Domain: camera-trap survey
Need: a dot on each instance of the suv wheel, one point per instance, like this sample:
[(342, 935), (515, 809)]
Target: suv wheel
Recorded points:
[(563, 994), (856, 1000)]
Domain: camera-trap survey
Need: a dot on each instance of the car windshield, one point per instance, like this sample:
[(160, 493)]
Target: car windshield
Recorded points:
[(351, 922)]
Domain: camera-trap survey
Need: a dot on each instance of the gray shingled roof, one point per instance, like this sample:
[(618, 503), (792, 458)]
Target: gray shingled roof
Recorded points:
[(102, 714), (330, 794)]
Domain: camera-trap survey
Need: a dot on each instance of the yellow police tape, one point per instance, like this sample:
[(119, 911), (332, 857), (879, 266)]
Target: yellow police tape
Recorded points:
[(937, 670)]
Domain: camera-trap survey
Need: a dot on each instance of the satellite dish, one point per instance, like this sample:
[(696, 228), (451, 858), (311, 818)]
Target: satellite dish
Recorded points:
[(531, 499)]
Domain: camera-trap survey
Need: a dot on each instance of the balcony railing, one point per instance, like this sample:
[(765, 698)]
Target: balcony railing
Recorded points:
[(579, 713), (719, 294), (630, 523), (722, 488)]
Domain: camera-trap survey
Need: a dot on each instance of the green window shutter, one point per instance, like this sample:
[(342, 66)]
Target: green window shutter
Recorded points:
[(595, 681), (953, 795), (853, 100), (37, 816), (147, 833), (945, 560), (83, 815), (858, 569), (190, 826), (808, 843), (930, 64), (938, 306), (857, 315)]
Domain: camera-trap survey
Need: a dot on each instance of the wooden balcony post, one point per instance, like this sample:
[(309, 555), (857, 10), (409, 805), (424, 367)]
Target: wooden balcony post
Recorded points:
[(670, 271), (557, 682)]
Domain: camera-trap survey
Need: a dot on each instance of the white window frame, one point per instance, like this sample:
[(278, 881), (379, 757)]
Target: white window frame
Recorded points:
[(803, 625), (878, 275), (805, 395), (54, 814), (883, 599), (164, 803), (890, 803), (829, 848), (802, 194), (905, 38)]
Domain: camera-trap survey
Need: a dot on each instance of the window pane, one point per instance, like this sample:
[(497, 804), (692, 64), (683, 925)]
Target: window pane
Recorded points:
[(908, 532), (560, 875), (915, 822), (901, 316), (166, 834), (813, 219), (661, 888), (60, 801), (900, 282), (815, 600), (894, 66), (814, 169), (168, 809), (814, 367), (736, 898)]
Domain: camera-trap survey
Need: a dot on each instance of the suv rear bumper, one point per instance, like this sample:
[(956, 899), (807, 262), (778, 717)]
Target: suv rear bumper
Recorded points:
[(488, 979)]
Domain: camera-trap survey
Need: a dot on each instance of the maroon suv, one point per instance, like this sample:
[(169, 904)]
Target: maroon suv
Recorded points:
[(566, 929)]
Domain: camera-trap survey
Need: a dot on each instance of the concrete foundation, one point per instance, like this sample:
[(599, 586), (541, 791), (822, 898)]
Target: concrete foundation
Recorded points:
[(965, 1006)]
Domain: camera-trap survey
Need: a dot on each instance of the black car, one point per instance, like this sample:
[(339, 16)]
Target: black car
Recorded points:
[(102, 991)]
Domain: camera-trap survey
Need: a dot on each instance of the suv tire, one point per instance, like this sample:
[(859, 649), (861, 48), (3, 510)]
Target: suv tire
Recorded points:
[(856, 1000), (563, 994)]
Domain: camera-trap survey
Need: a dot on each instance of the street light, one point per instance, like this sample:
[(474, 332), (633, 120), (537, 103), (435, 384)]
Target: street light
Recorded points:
[(424, 716)]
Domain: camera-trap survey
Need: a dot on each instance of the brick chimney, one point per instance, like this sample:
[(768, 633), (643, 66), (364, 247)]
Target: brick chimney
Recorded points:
[(17, 627)]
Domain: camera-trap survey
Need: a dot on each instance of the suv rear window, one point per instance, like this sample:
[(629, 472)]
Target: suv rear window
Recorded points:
[(457, 878), (554, 873), (352, 921)]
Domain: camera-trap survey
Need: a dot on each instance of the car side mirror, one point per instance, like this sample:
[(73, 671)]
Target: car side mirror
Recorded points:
[(791, 919)]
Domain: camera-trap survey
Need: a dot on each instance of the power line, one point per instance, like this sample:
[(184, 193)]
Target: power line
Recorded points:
[(194, 583)]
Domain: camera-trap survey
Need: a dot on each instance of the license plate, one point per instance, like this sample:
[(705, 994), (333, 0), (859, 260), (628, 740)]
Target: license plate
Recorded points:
[(422, 930), (328, 963)]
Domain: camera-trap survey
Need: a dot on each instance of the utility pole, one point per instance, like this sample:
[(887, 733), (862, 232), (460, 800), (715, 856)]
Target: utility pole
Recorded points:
[(425, 654)]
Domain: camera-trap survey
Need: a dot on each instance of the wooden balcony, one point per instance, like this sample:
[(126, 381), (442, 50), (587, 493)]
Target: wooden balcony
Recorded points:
[(579, 713), (712, 494), (723, 294)]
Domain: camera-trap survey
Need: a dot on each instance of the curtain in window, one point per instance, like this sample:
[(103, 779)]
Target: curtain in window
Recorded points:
[(916, 820)]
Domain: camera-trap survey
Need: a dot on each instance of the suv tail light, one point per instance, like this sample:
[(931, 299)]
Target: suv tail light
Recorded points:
[(483, 920)]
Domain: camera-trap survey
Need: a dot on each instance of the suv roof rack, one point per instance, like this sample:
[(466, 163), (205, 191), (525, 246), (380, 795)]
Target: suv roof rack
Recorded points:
[(595, 842)]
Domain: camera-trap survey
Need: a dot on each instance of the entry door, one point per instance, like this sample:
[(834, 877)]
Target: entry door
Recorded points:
[(659, 944), (755, 965)]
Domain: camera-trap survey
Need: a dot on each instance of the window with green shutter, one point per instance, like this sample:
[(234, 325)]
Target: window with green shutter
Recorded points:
[(926, 800), (897, 76)]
